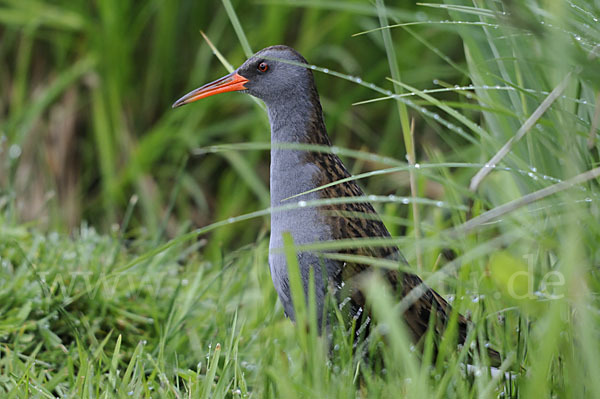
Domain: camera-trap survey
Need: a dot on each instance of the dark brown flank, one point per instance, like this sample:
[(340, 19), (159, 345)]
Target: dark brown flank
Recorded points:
[(347, 222)]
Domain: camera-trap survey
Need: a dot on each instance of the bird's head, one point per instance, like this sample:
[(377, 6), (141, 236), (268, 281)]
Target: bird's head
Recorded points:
[(272, 74)]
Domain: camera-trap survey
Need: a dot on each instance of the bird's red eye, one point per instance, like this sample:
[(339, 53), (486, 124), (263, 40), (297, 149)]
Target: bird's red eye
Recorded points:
[(263, 67)]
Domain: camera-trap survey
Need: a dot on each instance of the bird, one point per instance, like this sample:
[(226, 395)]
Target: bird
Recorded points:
[(280, 77)]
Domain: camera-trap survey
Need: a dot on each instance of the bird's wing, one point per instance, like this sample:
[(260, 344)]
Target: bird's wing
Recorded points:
[(360, 221)]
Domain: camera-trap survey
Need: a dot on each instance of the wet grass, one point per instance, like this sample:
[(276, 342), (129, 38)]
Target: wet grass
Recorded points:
[(169, 294)]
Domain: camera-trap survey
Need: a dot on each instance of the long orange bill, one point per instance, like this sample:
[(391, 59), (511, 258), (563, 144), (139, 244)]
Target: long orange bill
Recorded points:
[(231, 82)]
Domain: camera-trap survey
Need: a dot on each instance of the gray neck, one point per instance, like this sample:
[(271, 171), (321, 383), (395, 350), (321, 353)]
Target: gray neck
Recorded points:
[(291, 170), (289, 118), (296, 120)]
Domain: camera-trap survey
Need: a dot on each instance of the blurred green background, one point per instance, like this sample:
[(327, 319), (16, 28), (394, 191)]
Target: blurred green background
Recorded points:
[(87, 89)]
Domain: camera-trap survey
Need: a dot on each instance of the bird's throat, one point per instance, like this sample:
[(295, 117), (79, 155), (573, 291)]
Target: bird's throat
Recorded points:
[(298, 119), (295, 170)]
